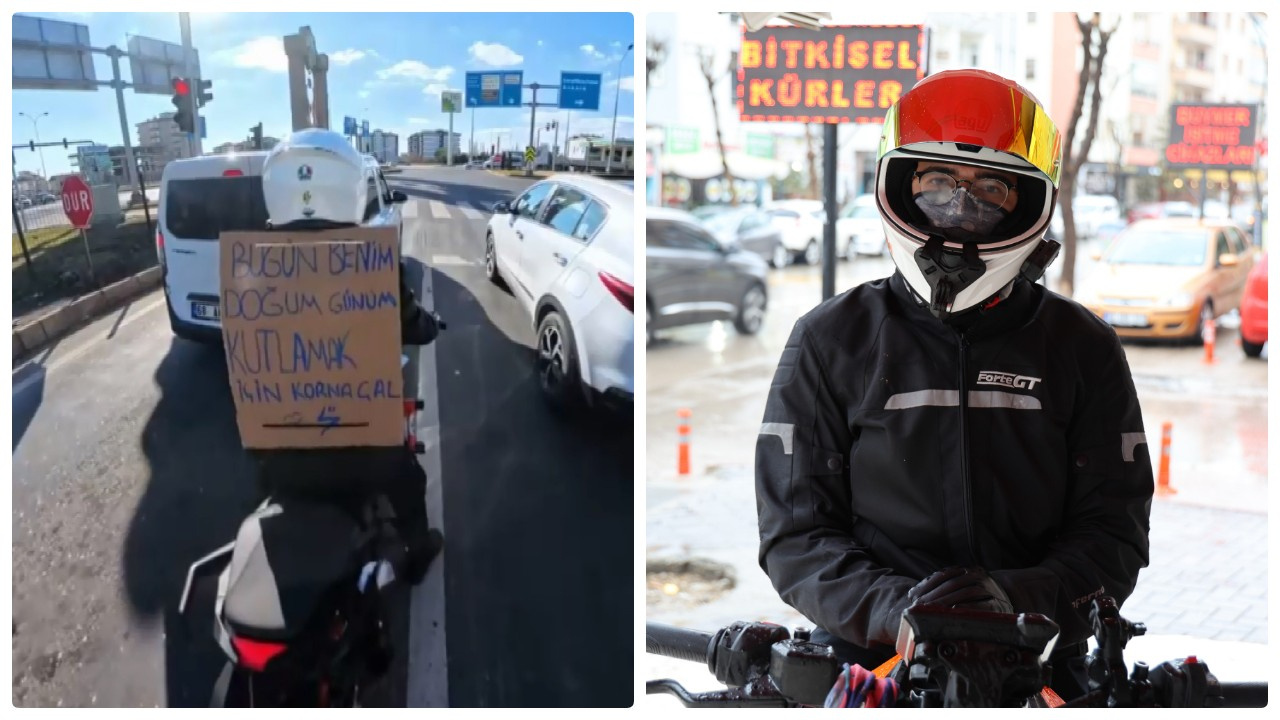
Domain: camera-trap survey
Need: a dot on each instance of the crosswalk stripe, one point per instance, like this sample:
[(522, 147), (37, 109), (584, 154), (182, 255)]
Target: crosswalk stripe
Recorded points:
[(438, 210), (442, 260), (410, 210), (471, 212)]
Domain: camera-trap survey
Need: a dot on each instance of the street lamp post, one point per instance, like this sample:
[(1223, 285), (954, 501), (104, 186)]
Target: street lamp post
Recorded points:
[(35, 124), (617, 92)]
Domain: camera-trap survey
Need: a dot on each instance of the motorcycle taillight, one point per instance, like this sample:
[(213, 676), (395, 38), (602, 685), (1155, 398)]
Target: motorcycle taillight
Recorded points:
[(255, 654)]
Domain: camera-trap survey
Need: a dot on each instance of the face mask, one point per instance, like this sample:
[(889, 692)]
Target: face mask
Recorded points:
[(963, 217)]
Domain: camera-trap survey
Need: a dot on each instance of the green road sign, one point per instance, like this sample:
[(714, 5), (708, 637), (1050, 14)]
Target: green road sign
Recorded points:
[(450, 102), (529, 154), (683, 140), (761, 146)]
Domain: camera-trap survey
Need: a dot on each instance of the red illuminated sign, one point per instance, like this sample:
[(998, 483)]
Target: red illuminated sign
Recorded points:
[(839, 73), (1220, 135)]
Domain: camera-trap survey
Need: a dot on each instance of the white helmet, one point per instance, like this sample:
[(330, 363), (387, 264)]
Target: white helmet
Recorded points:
[(982, 121), (314, 176)]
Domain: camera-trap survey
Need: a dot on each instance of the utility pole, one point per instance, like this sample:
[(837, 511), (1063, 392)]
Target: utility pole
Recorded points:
[(184, 21), (617, 92), (533, 118), (35, 124)]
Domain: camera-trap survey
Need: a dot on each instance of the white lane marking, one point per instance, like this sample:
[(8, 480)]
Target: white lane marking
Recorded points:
[(470, 212), (428, 684), (410, 210), (70, 355), (442, 260), (438, 210)]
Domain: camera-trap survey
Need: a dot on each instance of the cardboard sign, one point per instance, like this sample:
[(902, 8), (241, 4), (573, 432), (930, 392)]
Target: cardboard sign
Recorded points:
[(311, 328)]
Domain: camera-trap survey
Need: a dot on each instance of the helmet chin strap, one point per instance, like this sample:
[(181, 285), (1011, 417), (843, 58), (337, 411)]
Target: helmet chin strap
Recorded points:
[(947, 273)]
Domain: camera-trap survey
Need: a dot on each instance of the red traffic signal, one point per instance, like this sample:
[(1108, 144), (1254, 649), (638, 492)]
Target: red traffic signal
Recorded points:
[(181, 86)]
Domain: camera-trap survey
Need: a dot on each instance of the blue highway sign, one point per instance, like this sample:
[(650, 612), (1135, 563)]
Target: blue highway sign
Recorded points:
[(579, 91), (348, 125), (495, 89)]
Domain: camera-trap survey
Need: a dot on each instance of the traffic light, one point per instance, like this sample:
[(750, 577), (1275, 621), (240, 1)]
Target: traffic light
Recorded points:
[(256, 130), (182, 101), (205, 94)]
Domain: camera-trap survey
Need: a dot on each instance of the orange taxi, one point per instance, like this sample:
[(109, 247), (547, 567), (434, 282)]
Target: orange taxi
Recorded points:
[(1163, 278)]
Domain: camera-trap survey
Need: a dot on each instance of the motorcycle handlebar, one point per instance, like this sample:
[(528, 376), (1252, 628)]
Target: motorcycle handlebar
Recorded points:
[(1243, 694), (678, 643)]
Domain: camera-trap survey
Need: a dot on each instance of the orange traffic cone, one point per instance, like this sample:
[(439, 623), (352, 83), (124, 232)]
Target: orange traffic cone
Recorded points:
[(1210, 339), (682, 463), (1162, 480)]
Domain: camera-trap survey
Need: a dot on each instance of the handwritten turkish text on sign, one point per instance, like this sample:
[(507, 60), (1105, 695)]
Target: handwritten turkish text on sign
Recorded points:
[(1211, 135), (841, 73), (311, 328)]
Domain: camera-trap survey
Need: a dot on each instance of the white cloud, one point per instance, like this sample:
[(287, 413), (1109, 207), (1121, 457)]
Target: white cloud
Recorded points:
[(419, 121), (591, 52), (435, 88), (629, 83), (539, 43), (616, 44), (363, 94), (350, 55), (414, 70), (260, 53), (494, 54)]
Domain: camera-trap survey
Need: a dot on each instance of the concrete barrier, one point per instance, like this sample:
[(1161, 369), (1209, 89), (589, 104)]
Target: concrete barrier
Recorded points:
[(53, 326)]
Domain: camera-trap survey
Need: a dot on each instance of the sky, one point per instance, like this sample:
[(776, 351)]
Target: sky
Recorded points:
[(388, 68)]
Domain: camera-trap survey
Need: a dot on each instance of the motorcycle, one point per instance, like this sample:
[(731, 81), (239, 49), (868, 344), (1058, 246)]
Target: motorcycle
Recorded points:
[(948, 657), (300, 610)]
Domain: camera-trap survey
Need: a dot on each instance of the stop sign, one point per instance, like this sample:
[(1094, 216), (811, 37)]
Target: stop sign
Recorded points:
[(77, 201)]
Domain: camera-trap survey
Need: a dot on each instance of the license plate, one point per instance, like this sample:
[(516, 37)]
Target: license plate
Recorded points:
[(1125, 319), (204, 311)]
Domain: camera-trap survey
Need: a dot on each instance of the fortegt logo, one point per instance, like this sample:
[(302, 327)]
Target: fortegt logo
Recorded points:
[(1009, 380)]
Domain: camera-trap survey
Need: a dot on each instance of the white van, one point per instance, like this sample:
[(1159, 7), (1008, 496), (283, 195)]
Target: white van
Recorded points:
[(204, 196)]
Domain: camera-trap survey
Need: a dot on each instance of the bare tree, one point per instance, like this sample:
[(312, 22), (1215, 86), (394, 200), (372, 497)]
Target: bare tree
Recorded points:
[(1093, 40), (712, 73), (812, 156), (655, 55)]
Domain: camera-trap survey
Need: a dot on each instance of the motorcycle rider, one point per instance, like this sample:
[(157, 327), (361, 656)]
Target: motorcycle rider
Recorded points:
[(955, 433), (337, 195)]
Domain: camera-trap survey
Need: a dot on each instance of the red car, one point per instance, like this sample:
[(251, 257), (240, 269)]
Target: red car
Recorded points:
[(1253, 310)]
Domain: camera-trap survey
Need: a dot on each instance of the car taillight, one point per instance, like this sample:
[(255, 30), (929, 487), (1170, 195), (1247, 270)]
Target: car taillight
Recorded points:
[(620, 289), (254, 654), (160, 245), (232, 173)]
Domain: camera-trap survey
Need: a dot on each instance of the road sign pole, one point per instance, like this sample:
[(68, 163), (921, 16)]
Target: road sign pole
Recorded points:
[(471, 144), (568, 161), (448, 142), (829, 161), (184, 22), (131, 162), (88, 257), (533, 121)]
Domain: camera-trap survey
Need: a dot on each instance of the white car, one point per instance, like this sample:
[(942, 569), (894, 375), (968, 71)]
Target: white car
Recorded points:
[(565, 248), (199, 199), (801, 223), (1091, 212), (860, 229)]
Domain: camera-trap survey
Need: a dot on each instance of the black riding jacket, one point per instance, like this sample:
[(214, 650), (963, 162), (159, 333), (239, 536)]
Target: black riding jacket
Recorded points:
[(894, 445)]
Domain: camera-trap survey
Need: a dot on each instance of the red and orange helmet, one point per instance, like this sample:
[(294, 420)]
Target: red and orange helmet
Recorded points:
[(975, 118)]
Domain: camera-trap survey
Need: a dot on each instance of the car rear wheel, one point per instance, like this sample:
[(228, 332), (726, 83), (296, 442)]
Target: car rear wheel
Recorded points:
[(557, 362), (751, 311), (1252, 350), (780, 257), (812, 253), (491, 260)]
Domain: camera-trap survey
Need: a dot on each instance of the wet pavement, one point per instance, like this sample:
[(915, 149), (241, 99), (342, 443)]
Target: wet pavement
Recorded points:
[(1205, 590)]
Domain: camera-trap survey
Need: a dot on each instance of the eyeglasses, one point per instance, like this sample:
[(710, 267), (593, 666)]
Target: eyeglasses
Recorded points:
[(938, 188)]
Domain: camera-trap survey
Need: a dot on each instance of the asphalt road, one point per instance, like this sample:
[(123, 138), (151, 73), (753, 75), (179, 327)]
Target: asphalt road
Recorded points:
[(127, 467)]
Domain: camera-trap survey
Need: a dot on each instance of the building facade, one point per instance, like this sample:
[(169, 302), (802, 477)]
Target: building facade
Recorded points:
[(427, 143)]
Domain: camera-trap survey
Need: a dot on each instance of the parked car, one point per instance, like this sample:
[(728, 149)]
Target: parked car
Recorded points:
[(46, 198), (693, 278), (1253, 310), (753, 231), (24, 201), (565, 248), (860, 229), (202, 197), (1091, 212), (1169, 209), (1166, 278), (801, 223), (710, 210)]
